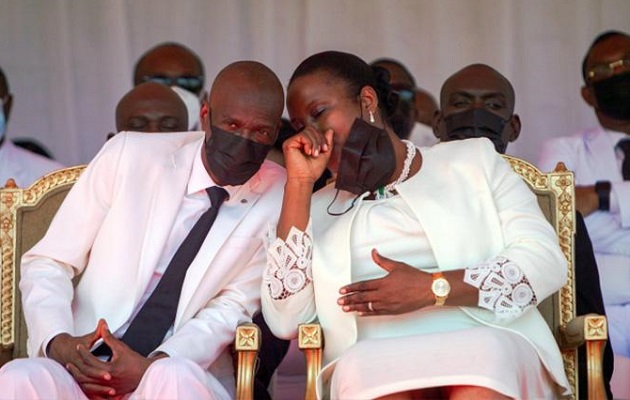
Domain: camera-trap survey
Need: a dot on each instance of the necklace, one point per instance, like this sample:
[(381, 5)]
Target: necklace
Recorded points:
[(387, 191)]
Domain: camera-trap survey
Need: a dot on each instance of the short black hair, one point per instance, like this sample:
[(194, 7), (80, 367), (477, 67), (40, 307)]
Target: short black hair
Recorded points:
[(600, 38), (354, 72), (3, 82), (385, 60)]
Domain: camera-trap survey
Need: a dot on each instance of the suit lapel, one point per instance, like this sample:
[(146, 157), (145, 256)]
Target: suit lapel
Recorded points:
[(230, 216), (169, 191)]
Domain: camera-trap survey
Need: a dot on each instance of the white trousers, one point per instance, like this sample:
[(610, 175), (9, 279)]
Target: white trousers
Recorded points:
[(167, 378)]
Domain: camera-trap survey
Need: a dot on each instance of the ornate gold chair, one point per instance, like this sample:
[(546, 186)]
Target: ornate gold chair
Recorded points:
[(25, 214), (555, 193), (24, 218)]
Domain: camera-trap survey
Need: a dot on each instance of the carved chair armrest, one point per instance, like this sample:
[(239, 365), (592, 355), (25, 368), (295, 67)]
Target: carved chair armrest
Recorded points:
[(311, 342), (591, 330), (246, 344)]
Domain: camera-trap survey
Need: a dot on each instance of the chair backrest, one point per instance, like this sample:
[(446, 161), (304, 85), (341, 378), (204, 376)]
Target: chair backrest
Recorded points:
[(25, 214), (556, 196)]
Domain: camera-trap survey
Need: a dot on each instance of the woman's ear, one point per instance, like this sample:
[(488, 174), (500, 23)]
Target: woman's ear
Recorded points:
[(369, 99)]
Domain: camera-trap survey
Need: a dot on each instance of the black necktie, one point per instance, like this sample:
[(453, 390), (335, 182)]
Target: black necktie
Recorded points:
[(147, 330), (624, 145)]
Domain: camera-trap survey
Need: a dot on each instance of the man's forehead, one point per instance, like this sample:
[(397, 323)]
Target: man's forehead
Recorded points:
[(170, 60), (477, 81), (610, 49)]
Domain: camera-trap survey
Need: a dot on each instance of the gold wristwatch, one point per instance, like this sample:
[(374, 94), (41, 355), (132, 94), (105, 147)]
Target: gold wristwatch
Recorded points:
[(440, 288)]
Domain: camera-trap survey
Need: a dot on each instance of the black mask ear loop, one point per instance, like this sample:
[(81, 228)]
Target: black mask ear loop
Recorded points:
[(343, 212), (337, 192)]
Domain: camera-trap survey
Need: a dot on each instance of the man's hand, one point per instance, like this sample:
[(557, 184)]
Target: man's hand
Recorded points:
[(402, 290), (586, 199), (124, 371), (66, 350)]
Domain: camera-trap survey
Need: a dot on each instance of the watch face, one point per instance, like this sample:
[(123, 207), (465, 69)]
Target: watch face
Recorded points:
[(440, 287)]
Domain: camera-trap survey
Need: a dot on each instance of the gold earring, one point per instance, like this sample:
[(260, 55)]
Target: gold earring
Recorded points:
[(372, 120)]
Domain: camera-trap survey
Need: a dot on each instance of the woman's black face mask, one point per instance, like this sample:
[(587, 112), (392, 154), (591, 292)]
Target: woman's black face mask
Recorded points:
[(233, 159), (613, 96), (367, 159)]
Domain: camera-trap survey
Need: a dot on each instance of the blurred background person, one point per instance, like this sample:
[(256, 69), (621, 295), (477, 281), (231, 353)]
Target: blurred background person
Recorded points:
[(600, 158), (413, 115), (151, 107), (175, 65), (24, 166)]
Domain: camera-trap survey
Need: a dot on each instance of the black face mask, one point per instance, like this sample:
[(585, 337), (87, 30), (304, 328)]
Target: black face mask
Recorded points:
[(367, 159), (232, 158), (613, 96), (474, 123)]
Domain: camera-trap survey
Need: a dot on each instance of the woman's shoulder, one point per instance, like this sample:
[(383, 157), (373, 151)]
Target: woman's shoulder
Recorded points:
[(467, 148), (469, 152)]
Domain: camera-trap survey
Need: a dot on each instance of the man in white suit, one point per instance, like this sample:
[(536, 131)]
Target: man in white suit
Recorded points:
[(600, 158), (120, 226)]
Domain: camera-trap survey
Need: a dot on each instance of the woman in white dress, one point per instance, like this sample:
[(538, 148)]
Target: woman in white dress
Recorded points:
[(423, 266)]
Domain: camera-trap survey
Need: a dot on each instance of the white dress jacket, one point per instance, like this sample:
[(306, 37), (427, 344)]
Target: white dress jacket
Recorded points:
[(112, 228), (473, 208)]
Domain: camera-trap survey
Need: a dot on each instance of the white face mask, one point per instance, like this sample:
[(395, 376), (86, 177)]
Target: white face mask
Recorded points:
[(192, 105)]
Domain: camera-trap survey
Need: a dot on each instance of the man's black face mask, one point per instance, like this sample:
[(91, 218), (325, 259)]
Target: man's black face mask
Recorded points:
[(613, 96), (474, 123), (367, 159), (232, 158)]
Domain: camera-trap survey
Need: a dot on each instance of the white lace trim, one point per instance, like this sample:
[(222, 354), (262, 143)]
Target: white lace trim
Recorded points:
[(289, 264), (503, 288)]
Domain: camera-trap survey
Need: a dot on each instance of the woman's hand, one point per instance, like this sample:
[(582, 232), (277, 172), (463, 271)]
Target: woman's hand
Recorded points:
[(306, 154), (403, 289)]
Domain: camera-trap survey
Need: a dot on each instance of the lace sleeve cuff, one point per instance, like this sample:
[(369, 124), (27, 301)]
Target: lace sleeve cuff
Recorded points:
[(503, 288), (289, 264)]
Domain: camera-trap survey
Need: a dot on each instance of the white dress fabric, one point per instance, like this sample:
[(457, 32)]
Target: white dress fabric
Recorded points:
[(368, 368), (381, 359), (493, 223)]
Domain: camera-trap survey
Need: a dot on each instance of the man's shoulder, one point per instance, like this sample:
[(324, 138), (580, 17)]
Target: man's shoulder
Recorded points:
[(471, 151), (27, 165), (578, 138), (138, 149), (152, 142), (270, 177)]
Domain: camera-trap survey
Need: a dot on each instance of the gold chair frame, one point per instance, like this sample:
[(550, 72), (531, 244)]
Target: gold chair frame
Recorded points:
[(555, 192), (15, 204)]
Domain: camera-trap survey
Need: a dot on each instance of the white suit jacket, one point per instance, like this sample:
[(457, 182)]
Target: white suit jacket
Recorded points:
[(112, 228), (472, 207), (24, 166)]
